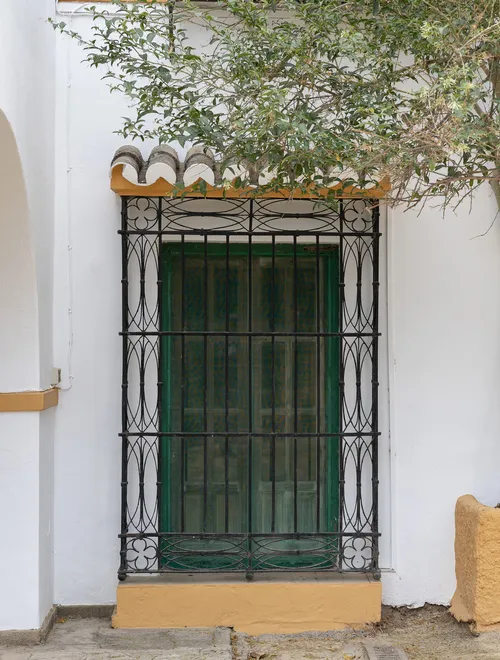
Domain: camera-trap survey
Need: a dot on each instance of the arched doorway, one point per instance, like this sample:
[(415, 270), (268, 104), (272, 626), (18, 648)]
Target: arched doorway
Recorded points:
[(21, 480), (19, 359)]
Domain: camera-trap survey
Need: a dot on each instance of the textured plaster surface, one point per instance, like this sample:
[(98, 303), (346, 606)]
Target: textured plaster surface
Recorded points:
[(477, 564)]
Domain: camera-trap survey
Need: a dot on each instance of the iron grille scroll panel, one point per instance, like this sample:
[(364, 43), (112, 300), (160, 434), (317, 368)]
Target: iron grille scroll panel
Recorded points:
[(157, 537)]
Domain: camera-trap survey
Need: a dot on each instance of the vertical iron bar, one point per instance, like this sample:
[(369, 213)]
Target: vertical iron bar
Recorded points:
[(341, 392), (250, 394), (144, 252), (295, 384), (205, 391), (273, 386), (226, 366), (358, 371), (318, 389), (375, 384), (159, 395), (183, 382), (122, 572)]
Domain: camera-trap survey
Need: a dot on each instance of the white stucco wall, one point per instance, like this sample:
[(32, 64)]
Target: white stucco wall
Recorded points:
[(87, 313), (444, 317), (26, 271), (440, 381), (27, 47)]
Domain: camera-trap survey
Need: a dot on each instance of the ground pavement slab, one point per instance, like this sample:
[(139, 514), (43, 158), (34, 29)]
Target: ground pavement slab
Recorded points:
[(94, 639)]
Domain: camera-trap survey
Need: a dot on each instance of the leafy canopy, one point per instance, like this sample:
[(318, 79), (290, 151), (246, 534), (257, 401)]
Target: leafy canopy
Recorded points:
[(318, 91)]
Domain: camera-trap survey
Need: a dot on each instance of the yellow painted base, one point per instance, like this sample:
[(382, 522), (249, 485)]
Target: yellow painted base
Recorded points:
[(477, 565), (258, 607)]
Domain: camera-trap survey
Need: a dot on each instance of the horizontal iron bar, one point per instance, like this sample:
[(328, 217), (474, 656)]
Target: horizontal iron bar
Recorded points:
[(253, 434), (239, 549), (176, 209), (220, 232), (297, 536), (171, 213), (223, 333), (244, 569)]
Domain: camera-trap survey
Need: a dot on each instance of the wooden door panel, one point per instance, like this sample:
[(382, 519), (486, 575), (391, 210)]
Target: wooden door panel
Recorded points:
[(208, 392)]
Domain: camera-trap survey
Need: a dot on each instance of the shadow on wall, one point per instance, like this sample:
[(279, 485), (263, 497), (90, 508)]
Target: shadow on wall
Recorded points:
[(19, 347)]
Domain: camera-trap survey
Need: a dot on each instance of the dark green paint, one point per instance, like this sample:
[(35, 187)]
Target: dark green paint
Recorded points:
[(330, 260)]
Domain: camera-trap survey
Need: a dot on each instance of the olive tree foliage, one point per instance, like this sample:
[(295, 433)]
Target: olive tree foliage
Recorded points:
[(317, 91)]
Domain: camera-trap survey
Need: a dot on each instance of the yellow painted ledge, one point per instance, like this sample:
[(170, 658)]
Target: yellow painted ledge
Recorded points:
[(28, 401), (255, 608), (161, 188), (477, 565)]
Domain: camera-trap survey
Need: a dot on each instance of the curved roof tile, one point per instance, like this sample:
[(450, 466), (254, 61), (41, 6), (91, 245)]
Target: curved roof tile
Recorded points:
[(141, 176)]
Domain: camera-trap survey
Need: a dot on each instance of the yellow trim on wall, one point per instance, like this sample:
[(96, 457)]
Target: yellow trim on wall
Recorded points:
[(256, 608), (161, 188), (29, 401)]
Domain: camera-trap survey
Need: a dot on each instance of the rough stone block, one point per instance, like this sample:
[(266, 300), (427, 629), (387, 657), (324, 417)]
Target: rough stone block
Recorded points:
[(477, 564)]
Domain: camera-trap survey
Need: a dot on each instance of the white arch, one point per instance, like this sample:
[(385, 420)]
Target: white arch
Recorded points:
[(19, 347)]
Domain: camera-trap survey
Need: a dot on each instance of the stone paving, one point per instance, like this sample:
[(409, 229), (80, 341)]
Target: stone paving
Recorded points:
[(428, 633), (94, 639)]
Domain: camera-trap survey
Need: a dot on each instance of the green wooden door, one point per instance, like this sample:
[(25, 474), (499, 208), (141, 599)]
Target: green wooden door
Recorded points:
[(225, 384)]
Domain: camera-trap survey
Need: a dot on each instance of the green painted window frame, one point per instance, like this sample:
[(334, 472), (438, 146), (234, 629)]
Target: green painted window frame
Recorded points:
[(328, 252)]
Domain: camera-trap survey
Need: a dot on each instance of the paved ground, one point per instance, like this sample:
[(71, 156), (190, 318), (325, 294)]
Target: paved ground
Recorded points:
[(94, 639), (425, 634), (428, 633)]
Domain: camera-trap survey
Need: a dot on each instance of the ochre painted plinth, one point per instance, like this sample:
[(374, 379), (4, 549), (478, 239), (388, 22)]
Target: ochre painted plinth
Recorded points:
[(477, 565), (258, 607)]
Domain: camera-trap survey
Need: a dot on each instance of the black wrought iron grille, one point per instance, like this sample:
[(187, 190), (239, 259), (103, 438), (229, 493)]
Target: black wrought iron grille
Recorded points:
[(249, 415)]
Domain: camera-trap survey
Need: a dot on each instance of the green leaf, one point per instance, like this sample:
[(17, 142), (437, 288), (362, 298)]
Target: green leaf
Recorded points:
[(323, 86)]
